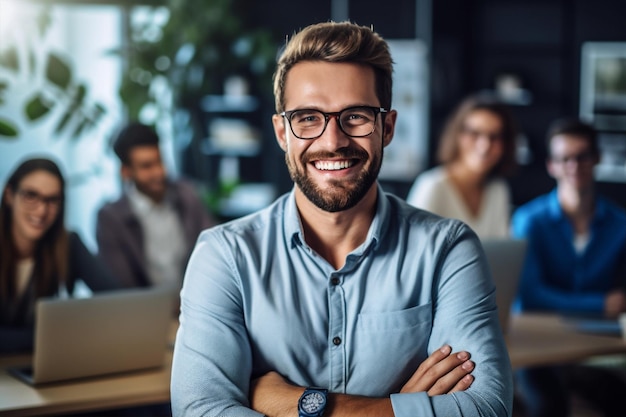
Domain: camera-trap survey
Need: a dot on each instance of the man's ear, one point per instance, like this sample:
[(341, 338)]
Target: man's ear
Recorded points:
[(550, 167), (389, 126), (280, 130), (125, 172)]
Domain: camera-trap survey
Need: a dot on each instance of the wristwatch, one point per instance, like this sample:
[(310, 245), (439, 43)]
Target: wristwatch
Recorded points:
[(312, 403)]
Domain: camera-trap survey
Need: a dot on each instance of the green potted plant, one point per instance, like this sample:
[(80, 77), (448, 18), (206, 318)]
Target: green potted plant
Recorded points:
[(192, 46)]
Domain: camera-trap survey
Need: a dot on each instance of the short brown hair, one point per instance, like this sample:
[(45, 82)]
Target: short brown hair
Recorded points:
[(574, 127), (337, 42), (448, 149), (133, 135)]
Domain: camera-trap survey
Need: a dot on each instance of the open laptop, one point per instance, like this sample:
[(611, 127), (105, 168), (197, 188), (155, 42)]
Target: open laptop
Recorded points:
[(506, 259), (592, 322), (111, 332)]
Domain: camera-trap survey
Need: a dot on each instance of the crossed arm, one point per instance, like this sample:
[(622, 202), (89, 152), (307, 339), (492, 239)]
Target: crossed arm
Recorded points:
[(213, 357), (442, 372)]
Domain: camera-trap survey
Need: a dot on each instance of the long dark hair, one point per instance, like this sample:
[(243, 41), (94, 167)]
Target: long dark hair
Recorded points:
[(51, 252)]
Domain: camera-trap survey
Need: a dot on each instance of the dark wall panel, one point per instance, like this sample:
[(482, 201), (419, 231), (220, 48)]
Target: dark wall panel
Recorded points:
[(540, 40), (392, 19)]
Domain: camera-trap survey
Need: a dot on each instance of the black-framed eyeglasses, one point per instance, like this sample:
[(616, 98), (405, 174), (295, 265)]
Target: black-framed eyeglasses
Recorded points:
[(475, 133), (32, 199), (581, 158), (356, 122)]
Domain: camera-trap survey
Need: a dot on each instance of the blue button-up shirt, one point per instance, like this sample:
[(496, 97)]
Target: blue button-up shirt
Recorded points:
[(257, 298), (555, 276)]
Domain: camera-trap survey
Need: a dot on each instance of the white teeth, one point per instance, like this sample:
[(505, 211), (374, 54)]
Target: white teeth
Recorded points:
[(35, 222), (332, 165)]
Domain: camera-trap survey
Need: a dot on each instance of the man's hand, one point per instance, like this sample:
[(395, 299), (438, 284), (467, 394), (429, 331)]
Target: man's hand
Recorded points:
[(442, 373), (614, 303)]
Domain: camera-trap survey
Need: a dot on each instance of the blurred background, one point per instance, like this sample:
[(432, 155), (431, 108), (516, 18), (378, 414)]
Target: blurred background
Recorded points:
[(72, 72)]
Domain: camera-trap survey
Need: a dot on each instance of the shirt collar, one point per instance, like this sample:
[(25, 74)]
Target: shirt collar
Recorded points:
[(140, 202), (293, 225), (555, 210), (554, 206)]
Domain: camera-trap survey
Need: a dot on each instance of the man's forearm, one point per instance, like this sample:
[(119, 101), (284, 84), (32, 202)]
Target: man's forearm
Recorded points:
[(273, 396), (342, 405), (441, 373)]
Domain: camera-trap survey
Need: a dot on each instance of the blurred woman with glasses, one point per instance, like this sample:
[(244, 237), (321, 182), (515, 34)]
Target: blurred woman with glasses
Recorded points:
[(38, 256), (476, 150)]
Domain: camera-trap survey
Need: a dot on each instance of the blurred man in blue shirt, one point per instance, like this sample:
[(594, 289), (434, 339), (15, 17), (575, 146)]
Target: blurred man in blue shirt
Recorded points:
[(338, 299), (576, 262)]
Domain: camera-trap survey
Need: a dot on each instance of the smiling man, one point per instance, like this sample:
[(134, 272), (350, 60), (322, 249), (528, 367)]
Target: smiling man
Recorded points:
[(339, 299), (147, 235)]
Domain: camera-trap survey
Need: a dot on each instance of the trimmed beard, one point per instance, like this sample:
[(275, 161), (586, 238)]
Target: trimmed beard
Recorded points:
[(344, 194), (149, 190)]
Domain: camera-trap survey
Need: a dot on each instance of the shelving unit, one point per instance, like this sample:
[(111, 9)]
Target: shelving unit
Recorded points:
[(603, 103), (234, 141)]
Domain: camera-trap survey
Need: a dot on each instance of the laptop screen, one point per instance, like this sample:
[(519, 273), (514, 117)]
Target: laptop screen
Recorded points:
[(110, 332)]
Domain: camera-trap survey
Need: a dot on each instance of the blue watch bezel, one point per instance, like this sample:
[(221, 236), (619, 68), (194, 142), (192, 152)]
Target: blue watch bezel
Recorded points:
[(324, 392)]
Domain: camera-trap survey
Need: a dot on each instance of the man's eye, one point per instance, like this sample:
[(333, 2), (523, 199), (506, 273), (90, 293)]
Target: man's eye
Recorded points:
[(306, 118), (357, 117)]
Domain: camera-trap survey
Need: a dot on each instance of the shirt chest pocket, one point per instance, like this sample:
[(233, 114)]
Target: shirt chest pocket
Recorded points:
[(392, 344), (394, 321)]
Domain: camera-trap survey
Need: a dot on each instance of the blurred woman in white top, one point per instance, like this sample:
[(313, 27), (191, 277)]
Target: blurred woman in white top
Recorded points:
[(476, 151)]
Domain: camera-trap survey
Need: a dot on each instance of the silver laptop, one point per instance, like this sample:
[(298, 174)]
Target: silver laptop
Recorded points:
[(506, 259), (112, 332)]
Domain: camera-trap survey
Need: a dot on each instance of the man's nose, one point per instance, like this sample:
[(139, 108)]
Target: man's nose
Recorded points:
[(483, 142), (333, 137), (158, 169)]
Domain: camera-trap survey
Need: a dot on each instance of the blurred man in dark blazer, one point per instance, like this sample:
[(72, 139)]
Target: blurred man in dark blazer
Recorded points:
[(147, 235)]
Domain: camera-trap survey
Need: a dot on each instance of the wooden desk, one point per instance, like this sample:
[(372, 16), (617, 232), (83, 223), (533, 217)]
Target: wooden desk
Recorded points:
[(531, 340), (540, 339), (117, 391)]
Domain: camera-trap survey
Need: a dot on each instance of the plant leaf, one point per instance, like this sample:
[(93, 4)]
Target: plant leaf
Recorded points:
[(44, 20), (37, 107), (75, 109), (32, 62), (64, 120), (98, 111), (78, 131), (58, 72), (3, 86), (9, 59), (8, 129), (81, 93)]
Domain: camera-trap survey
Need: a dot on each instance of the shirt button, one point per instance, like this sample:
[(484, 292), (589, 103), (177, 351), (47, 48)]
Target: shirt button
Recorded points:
[(336, 341), (334, 281)]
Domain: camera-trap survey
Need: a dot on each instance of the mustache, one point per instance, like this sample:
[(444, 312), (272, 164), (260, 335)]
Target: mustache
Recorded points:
[(347, 153)]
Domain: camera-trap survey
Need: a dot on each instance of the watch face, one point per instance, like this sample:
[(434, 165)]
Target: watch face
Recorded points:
[(312, 402)]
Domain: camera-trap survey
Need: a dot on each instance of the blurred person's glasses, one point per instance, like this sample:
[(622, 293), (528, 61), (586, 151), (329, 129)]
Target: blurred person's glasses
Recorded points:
[(33, 199), (581, 158), (475, 134), (356, 122)]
